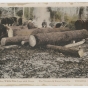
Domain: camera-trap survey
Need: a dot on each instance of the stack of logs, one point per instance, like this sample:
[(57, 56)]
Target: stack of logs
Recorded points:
[(51, 38)]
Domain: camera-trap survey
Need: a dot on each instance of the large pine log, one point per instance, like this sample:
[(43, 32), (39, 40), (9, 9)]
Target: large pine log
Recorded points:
[(67, 51), (13, 40), (25, 32), (48, 30), (57, 38), (22, 32)]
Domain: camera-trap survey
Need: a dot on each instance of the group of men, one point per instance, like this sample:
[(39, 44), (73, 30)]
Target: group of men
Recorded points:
[(31, 24)]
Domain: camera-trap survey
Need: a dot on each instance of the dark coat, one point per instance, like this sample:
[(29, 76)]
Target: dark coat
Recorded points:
[(44, 24), (3, 31)]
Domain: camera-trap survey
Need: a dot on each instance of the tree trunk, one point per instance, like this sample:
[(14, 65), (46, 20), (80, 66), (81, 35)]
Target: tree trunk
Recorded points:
[(47, 30), (14, 12), (67, 51), (75, 44), (57, 38), (81, 13), (23, 12), (20, 32), (29, 12), (13, 40)]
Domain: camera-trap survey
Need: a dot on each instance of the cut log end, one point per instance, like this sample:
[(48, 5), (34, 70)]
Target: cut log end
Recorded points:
[(32, 41), (23, 42), (10, 33), (3, 41), (81, 53), (9, 30)]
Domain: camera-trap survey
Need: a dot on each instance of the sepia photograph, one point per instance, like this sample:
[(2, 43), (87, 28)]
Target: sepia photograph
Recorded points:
[(43, 42)]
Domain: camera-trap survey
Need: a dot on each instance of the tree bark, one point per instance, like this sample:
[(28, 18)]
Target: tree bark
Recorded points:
[(48, 30), (13, 40), (20, 32), (57, 38), (14, 12), (23, 16), (67, 51)]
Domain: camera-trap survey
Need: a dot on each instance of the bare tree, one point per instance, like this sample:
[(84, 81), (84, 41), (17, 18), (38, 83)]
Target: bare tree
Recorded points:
[(87, 11), (81, 12), (0, 12), (14, 8)]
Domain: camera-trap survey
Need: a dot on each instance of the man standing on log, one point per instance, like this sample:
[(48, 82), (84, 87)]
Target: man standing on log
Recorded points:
[(44, 24)]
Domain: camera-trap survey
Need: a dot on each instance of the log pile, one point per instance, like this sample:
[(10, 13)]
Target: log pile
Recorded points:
[(57, 39)]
